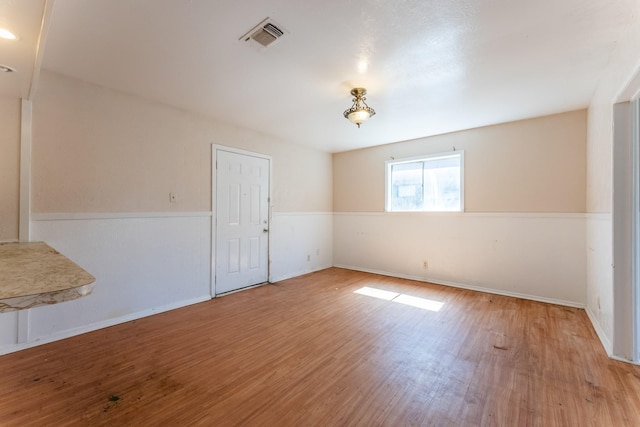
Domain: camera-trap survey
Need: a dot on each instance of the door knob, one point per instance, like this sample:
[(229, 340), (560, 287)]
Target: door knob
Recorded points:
[(265, 230)]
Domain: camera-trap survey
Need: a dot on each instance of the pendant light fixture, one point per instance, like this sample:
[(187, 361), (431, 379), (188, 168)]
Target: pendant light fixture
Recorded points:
[(359, 111)]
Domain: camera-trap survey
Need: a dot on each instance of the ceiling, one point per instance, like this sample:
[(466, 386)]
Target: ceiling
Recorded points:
[(430, 66), (24, 19)]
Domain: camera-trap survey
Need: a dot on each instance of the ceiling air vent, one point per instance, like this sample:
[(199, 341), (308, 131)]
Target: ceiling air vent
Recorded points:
[(265, 33)]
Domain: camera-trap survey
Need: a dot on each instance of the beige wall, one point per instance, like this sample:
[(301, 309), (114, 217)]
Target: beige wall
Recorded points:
[(96, 150), (535, 165), (9, 168)]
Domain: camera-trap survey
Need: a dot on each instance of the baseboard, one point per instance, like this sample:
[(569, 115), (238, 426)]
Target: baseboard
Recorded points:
[(606, 344), (100, 325), (468, 287), (298, 273), (620, 359)]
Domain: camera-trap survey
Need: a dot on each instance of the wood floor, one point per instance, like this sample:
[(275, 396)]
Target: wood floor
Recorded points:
[(311, 352)]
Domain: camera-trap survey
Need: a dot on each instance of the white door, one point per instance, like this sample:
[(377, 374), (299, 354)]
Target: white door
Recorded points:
[(242, 221)]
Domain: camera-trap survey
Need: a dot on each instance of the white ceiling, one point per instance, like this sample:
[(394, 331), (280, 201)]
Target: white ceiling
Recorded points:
[(24, 19), (434, 66)]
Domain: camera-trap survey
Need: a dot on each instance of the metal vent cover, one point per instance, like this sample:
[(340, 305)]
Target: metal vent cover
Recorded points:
[(265, 33)]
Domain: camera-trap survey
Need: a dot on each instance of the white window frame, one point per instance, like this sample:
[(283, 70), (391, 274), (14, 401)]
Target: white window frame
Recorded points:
[(426, 157)]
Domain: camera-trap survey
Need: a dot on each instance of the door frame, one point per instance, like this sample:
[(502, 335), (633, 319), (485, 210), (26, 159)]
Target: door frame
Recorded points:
[(635, 226), (626, 222), (214, 211)]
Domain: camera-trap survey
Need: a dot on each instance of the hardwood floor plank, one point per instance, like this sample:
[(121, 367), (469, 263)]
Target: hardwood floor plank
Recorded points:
[(310, 352)]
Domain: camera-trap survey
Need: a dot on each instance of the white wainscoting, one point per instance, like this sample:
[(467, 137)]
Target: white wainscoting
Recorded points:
[(8, 329), (599, 245), (534, 256), (143, 264), (146, 263), (300, 243)]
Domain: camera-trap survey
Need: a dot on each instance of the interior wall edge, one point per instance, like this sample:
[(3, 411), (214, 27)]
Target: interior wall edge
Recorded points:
[(602, 336), (26, 143)]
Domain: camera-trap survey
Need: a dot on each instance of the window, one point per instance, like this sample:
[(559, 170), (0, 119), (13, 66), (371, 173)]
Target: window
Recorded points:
[(426, 184)]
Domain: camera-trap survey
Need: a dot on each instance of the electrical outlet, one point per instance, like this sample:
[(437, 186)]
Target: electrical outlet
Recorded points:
[(425, 264), (173, 197)]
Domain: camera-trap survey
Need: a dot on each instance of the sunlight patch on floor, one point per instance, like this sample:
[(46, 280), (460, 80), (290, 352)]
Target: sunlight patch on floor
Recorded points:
[(376, 293), (424, 303)]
